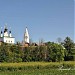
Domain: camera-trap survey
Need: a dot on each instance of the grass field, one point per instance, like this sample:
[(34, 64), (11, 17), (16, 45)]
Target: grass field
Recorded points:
[(40, 72), (37, 68)]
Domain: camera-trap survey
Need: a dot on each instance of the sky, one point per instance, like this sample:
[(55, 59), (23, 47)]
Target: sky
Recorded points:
[(45, 19)]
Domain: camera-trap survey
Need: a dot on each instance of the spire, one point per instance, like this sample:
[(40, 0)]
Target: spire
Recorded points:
[(26, 36), (26, 31)]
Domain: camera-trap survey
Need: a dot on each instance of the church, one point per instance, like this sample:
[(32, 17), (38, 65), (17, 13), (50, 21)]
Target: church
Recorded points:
[(6, 36)]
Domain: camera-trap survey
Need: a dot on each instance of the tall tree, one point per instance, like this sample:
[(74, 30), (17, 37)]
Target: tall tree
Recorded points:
[(68, 44)]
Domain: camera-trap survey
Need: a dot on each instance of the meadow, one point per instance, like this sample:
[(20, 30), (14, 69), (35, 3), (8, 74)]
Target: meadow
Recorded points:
[(40, 72), (38, 68)]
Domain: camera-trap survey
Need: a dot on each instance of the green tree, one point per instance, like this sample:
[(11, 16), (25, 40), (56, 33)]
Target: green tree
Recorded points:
[(16, 53), (69, 45), (27, 54), (55, 52), (4, 53)]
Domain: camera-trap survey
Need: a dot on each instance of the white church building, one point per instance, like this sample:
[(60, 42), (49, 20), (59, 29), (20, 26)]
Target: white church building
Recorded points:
[(6, 36)]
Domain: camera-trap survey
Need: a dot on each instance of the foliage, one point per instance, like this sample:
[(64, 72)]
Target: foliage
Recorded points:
[(69, 48), (49, 52)]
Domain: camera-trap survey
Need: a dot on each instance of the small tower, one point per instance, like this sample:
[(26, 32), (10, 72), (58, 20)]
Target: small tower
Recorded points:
[(5, 31), (26, 36), (10, 33)]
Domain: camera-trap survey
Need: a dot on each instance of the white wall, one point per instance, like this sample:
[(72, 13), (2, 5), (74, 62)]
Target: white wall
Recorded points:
[(9, 40)]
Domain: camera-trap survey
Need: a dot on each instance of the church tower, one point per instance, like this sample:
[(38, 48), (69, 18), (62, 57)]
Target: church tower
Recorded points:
[(5, 31), (26, 36)]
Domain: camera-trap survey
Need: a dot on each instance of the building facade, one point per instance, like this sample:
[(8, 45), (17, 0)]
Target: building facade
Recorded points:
[(6, 36)]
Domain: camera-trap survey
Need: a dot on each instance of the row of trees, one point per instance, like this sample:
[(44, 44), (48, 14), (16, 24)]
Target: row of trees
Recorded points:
[(49, 52)]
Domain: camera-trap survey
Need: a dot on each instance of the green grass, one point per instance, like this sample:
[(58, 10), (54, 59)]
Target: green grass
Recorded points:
[(40, 72), (37, 68), (36, 63)]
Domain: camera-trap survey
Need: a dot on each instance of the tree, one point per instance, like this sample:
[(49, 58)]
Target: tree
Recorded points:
[(68, 44), (16, 53), (27, 54), (42, 53), (4, 53), (55, 52)]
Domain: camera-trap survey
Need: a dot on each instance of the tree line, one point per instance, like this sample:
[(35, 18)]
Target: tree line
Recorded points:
[(54, 52)]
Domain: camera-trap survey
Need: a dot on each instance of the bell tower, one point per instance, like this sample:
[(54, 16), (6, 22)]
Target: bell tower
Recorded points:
[(26, 36)]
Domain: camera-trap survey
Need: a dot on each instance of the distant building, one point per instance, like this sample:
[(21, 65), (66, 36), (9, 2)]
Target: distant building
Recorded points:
[(25, 42), (6, 36), (26, 36)]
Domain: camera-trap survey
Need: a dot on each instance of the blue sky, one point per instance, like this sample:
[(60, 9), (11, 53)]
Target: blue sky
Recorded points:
[(47, 19)]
